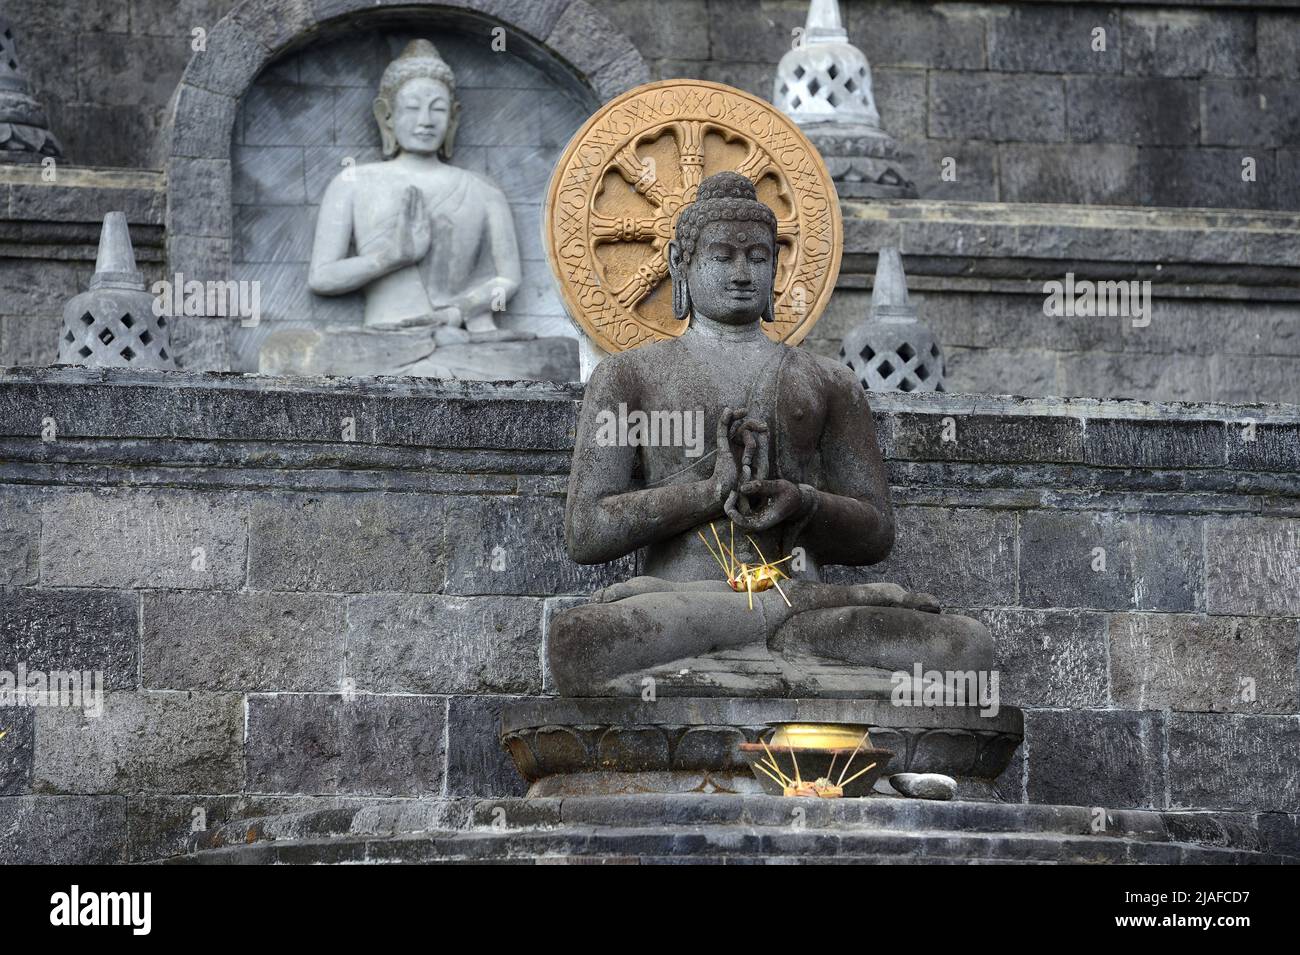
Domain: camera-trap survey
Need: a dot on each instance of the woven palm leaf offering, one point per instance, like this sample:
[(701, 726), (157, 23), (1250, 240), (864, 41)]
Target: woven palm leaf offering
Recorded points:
[(817, 760), (742, 577)]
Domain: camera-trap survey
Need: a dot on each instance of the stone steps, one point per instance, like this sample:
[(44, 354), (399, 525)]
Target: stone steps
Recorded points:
[(720, 828)]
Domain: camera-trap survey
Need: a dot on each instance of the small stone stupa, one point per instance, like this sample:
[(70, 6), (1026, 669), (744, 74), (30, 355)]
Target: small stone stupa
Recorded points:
[(892, 350), (24, 129), (113, 325), (824, 85)]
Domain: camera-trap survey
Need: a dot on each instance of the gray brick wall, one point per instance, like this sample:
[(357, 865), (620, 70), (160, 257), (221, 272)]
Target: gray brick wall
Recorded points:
[(363, 609), (1014, 92)]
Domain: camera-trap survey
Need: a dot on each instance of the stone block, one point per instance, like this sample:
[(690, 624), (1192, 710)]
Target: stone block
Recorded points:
[(1110, 560), (1263, 446), (1200, 664), (672, 28), (66, 630), (1199, 176), (901, 101), (129, 68), (1234, 762), (982, 438), (288, 116), (1258, 113), (477, 763), (350, 543), (1249, 378), (144, 539), (242, 641), (939, 36), (233, 56), (198, 197), (203, 123), (63, 830), (20, 537), (1089, 174), (974, 169), (1150, 377), (1136, 111), (999, 371), (274, 234), (1055, 658), (997, 106), (1278, 38), (359, 744), (1189, 42), (398, 643), (1155, 444), (1112, 759), (151, 742), (1252, 565), (17, 749), (1053, 39), (515, 545), (158, 827), (965, 557)]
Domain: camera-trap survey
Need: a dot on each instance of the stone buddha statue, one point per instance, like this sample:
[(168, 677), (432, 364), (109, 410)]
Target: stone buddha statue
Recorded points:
[(430, 244), (793, 471)]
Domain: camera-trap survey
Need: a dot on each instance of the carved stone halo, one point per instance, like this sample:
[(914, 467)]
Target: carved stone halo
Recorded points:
[(615, 195)]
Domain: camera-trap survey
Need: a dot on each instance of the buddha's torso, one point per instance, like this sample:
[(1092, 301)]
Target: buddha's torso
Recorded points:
[(456, 201), (704, 377)]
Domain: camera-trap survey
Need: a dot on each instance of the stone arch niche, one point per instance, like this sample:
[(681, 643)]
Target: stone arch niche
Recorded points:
[(265, 116)]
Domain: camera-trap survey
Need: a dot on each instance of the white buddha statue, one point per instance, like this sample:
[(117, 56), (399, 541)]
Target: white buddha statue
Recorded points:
[(430, 244)]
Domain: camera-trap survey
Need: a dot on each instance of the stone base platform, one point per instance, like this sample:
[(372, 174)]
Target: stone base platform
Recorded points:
[(734, 829), (352, 352), (567, 747)]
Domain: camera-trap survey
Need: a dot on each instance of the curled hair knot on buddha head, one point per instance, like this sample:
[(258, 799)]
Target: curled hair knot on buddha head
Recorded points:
[(722, 197)]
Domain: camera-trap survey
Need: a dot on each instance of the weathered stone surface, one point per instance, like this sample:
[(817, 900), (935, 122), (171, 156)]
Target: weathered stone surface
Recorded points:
[(203, 122), (997, 106), (20, 537), (1055, 658), (398, 643), (348, 542), (243, 641), (1103, 174), (1264, 445), (1039, 39), (515, 545), (936, 437), (198, 197), (943, 37), (1278, 36), (1145, 562), (129, 538), (965, 557), (153, 742), (17, 749), (1251, 113), (1108, 758), (64, 830), (360, 744), (66, 630), (1141, 111), (1185, 662), (477, 763), (1155, 444), (1252, 565), (1189, 43), (1234, 762)]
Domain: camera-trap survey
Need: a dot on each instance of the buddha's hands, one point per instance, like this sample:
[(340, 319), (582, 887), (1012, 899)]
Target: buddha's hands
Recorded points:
[(412, 233), (741, 448), (778, 501)]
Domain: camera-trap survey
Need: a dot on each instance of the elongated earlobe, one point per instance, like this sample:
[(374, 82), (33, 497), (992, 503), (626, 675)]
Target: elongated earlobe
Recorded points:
[(681, 299), (449, 138), (769, 312)]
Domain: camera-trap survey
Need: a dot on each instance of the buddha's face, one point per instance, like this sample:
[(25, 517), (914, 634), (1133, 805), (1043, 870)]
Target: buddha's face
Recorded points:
[(421, 111), (730, 275)]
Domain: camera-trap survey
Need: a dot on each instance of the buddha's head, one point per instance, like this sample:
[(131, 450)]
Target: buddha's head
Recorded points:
[(416, 107), (723, 255)]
